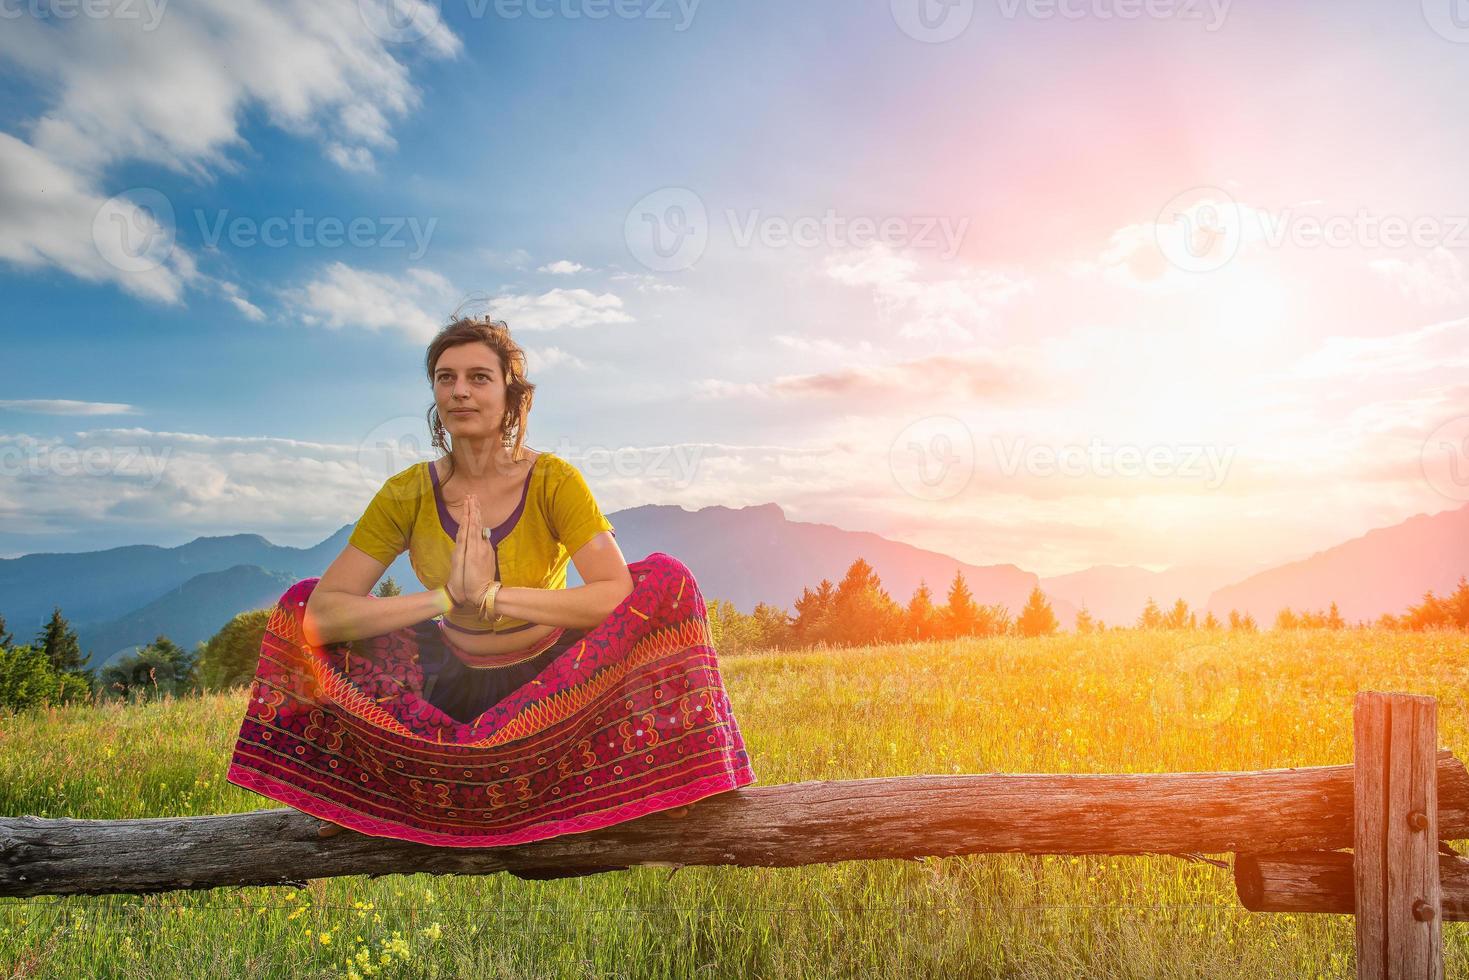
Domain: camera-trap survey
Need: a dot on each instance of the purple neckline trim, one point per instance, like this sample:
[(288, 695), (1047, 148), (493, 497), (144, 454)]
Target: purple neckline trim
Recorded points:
[(499, 531)]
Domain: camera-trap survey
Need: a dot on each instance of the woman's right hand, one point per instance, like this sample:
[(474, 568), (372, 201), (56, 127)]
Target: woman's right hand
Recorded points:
[(472, 562), (458, 592)]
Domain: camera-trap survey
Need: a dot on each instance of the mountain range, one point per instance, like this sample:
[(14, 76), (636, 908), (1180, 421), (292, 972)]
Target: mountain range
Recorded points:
[(124, 597)]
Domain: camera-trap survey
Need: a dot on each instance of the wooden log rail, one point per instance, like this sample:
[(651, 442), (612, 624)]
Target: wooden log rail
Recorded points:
[(1395, 805)]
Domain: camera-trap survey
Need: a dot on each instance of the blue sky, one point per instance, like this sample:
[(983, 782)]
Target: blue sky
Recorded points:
[(1026, 303)]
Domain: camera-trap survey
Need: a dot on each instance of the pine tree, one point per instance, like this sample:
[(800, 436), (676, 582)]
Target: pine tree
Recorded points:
[(772, 625), (388, 588), (1179, 618), (863, 613), (1459, 604), (920, 619), (1152, 616), (59, 641), (813, 615), (960, 615), (1084, 621), (6, 639), (1037, 618), (1211, 622), (1334, 620)]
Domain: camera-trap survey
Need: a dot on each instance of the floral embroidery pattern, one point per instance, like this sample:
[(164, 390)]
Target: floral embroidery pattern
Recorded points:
[(344, 732)]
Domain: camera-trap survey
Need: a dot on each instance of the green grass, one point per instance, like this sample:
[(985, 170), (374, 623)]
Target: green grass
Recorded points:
[(1112, 703)]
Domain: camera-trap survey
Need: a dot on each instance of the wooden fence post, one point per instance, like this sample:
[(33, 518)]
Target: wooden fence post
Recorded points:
[(1395, 838)]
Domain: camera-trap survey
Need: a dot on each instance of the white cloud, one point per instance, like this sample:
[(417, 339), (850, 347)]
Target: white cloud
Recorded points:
[(1436, 279), (344, 297), (826, 347), (172, 91), (559, 308), (355, 158), (718, 388), (1202, 231), (1433, 347), (562, 267), (929, 305), (515, 258), (49, 216), (175, 95), (65, 406), (239, 302), (163, 482), (645, 283), (973, 377), (542, 358)]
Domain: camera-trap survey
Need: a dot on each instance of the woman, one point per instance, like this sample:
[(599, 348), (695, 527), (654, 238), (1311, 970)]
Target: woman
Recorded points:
[(498, 707)]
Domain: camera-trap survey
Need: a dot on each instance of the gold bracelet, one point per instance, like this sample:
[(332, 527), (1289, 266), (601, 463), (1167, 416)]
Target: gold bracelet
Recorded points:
[(487, 603)]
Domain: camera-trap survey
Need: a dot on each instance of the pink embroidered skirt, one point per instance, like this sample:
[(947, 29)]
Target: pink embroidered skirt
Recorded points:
[(603, 726)]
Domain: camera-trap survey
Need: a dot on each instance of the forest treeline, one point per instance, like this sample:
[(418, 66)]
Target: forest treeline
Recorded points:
[(49, 670), (857, 611)]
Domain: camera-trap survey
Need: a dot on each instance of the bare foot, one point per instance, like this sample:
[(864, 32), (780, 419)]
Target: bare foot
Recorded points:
[(677, 812), (329, 829)]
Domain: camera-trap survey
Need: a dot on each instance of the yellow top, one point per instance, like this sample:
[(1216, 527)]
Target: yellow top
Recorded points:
[(557, 514)]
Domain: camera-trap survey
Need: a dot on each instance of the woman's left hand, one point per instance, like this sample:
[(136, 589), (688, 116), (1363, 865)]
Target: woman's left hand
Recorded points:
[(479, 555)]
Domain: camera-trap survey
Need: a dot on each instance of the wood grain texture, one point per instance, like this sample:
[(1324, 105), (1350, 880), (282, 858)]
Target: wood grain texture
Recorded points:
[(1397, 894), (1269, 811), (1322, 881)]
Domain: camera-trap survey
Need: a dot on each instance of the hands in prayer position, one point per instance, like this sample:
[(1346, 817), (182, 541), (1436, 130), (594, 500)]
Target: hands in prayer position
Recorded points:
[(472, 564)]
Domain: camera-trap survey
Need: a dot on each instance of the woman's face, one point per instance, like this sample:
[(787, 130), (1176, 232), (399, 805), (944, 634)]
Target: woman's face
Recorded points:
[(469, 390)]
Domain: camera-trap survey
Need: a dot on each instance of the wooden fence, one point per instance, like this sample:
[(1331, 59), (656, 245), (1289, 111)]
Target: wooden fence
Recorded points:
[(1286, 828)]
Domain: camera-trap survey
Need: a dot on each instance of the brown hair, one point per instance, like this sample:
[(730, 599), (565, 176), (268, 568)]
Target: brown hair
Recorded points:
[(518, 391)]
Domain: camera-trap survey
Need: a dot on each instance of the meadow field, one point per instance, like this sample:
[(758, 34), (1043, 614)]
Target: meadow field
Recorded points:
[(1121, 701)]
